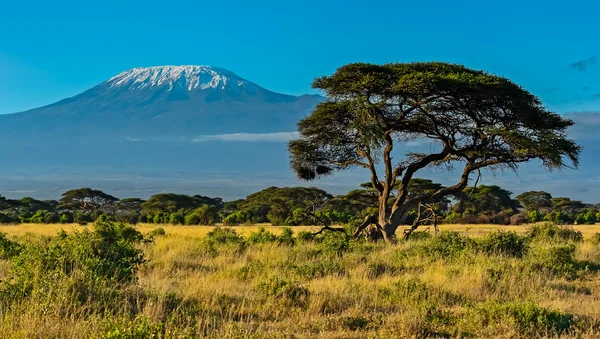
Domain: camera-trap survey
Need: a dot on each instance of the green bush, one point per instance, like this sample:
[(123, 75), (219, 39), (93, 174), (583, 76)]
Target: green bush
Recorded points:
[(224, 236), (446, 245), (140, 327), (506, 243), (8, 248), (261, 236), (157, 232), (85, 266), (527, 317), (335, 242), (286, 237), (559, 260), (305, 236), (551, 232)]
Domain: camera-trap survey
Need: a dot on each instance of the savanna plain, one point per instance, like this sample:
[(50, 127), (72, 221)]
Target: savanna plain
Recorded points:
[(112, 280)]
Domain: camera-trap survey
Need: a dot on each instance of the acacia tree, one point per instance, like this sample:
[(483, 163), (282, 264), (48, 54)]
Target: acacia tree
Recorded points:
[(474, 119)]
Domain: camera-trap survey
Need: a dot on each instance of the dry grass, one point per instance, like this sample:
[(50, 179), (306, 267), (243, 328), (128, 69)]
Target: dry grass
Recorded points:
[(201, 231), (362, 293)]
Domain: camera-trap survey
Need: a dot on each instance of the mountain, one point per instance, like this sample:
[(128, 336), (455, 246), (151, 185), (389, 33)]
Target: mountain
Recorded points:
[(163, 102)]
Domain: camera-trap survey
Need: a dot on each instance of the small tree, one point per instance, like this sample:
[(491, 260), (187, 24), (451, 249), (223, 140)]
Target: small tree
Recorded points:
[(473, 119)]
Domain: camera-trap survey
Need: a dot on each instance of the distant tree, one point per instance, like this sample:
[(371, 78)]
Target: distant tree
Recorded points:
[(171, 203), (129, 210), (85, 201), (474, 120), (536, 201), (485, 200)]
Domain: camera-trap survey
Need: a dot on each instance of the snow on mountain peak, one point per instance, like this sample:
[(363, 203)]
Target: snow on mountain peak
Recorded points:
[(188, 77)]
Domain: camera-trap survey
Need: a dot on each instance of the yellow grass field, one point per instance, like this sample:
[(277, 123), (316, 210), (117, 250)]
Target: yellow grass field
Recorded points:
[(195, 286), (201, 231)]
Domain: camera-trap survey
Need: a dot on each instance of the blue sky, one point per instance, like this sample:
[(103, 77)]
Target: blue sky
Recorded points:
[(52, 50)]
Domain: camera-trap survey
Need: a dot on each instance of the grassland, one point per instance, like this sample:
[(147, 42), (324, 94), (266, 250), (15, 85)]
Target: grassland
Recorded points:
[(474, 283)]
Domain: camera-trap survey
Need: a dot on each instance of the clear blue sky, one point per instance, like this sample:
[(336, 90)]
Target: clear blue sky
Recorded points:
[(50, 50)]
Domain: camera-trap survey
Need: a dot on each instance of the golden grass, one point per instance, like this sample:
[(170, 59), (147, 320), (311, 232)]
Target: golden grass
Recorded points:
[(346, 299), (201, 231)]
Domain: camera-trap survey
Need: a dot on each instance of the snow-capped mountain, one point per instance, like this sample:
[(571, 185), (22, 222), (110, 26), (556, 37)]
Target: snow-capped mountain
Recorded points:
[(181, 77), (164, 102)]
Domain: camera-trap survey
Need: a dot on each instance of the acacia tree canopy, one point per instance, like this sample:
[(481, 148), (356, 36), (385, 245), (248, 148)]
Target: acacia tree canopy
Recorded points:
[(476, 119)]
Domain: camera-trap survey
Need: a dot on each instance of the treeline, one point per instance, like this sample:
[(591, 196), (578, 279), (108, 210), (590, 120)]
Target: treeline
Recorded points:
[(292, 206)]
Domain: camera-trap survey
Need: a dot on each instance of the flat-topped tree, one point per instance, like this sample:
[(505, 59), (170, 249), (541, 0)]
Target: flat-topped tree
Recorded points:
[(476, 120)]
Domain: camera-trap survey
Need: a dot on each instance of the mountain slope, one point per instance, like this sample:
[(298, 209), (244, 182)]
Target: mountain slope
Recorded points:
[(164, 101)]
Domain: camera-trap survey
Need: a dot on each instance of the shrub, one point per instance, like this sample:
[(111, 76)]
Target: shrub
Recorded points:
[(507, 243), (157, 232), (8, 248), (335, 242), (286, 237), (446, 245), (527, 317), (552, 232), (261, 236), (223, 236), (305, 236), (558, 260), (82, 265)]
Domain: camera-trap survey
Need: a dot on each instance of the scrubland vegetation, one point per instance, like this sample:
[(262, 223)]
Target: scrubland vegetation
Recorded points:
[(113, 281)]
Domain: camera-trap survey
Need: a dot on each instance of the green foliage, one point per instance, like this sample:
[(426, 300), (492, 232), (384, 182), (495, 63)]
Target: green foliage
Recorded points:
[(535, 216), (83, 219), (140, 327), (551, 232), (171, 203), (82, 264), (66, 218), (446, 245), (335, 242), (559, 260), (236, 218), (177, 218), (305, 236), (261, 236), (286, 237), (505, 243), (157, 232), (8, 248), (223, 236), (527, 317)]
